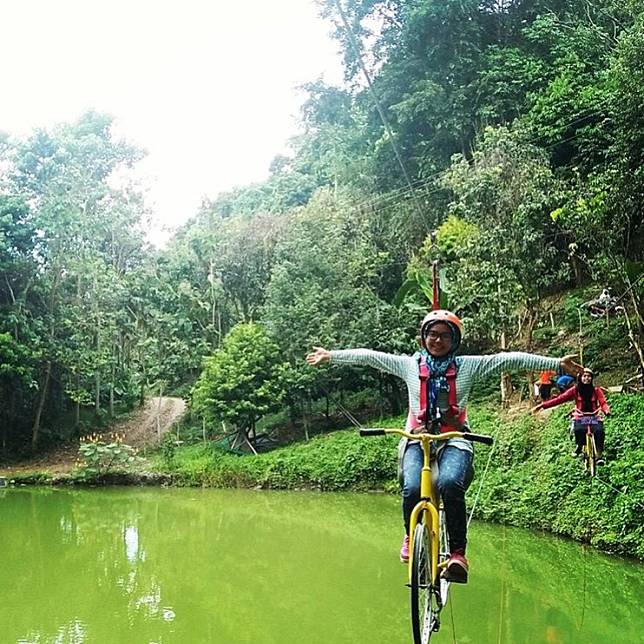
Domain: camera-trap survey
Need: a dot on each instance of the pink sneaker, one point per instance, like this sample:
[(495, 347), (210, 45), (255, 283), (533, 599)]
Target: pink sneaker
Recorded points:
[(457, 568), (404, 550)]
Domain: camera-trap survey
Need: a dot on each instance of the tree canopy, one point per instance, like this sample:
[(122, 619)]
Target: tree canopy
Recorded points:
[(511, 149)]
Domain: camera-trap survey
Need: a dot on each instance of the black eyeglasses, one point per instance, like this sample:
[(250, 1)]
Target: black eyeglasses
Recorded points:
[(434, 335)]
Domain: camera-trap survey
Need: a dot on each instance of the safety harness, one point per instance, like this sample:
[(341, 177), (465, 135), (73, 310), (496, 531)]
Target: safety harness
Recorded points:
[(451, 419)]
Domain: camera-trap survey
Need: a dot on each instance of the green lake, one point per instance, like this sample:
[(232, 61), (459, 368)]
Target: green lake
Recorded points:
[(165, 566)]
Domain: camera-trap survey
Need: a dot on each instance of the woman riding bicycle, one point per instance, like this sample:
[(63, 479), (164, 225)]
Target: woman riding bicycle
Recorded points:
[(589, 402), (440, 405)]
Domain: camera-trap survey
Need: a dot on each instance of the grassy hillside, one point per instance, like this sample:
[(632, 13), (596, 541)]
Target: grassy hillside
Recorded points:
[(531, 480)]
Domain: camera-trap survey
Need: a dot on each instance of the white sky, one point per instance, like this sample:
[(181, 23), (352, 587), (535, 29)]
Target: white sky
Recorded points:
[(207, 87)]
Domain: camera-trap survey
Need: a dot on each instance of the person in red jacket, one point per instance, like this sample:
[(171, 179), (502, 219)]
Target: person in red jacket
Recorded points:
[(589, 400)]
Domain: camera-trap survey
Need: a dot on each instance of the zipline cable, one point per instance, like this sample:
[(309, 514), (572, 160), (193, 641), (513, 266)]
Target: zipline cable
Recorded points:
[(614, 489), (478, 492), (381, 202), (451, 612), (376, 100)]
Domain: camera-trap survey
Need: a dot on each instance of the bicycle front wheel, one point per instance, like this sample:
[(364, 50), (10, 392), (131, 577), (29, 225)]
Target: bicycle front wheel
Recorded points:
[(424, 607), (590, 454)]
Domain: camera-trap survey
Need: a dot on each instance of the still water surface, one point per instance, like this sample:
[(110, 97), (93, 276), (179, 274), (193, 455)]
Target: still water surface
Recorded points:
[(230, 566)]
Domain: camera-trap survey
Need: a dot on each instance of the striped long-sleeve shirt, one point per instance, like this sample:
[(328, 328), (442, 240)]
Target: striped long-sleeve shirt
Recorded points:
[(470, 369)]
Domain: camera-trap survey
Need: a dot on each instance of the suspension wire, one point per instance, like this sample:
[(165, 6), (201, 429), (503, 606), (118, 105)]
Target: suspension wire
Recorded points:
[(478, 492), (376, 100), (597, 112), (352, 419), (384, 201), (614, 489), (349, 415), (421, 184), (451, 612), (502, 604)]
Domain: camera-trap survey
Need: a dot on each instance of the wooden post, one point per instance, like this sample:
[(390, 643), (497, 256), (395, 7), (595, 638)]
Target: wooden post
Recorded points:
[(581, 342), (159, 414)]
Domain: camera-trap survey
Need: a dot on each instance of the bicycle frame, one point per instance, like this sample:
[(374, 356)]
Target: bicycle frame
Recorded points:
[(427, 508)]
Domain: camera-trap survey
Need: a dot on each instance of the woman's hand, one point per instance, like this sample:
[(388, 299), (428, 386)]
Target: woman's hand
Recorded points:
[(568, 364), (537, 408), (318, 356)]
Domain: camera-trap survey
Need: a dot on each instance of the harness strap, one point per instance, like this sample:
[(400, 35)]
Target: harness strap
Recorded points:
[(453, 418)]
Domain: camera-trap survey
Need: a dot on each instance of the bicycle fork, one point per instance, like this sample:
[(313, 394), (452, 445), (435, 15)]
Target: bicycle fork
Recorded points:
[(426, 510)]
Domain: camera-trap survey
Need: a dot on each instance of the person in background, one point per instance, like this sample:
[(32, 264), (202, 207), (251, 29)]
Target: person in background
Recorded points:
[(545, 384), (563, 382), (447, 382), (589, 401)]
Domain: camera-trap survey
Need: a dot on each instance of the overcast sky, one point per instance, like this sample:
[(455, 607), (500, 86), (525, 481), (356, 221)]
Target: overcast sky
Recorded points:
[(207, 87)]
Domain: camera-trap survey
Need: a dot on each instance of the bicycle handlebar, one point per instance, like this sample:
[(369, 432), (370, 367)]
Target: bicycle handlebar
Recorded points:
[(372, 432), (475, 438)]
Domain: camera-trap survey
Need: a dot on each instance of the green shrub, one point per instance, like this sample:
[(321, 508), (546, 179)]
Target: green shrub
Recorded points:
[(97, 457)]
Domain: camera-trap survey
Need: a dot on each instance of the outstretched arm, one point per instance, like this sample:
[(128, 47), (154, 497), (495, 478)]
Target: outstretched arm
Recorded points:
[(400, 366), (517, 360), (567, 395)]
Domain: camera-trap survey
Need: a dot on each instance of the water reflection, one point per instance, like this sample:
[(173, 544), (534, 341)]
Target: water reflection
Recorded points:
[(131, 539), (166, 566)]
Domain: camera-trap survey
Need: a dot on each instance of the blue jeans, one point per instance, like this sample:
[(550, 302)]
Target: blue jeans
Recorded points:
[(455, 473)]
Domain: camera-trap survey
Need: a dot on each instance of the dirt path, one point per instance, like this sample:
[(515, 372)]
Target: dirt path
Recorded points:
[(143, 428)]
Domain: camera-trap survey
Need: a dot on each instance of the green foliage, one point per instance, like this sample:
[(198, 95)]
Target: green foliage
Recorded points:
[(454, 235), (540, 102), (69, 246), (168, 449)]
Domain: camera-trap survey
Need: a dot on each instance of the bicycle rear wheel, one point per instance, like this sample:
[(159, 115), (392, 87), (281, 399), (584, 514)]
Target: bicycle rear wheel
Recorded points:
[(443, 557), (424, 605)]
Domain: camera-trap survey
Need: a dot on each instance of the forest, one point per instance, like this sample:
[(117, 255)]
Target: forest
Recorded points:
[(503, 138)]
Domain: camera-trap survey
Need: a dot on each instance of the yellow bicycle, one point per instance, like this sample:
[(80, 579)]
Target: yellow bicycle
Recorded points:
[(429, 548), (589, 449)]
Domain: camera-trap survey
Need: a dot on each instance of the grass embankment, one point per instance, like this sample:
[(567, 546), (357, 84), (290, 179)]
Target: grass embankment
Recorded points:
[(532, 481)]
